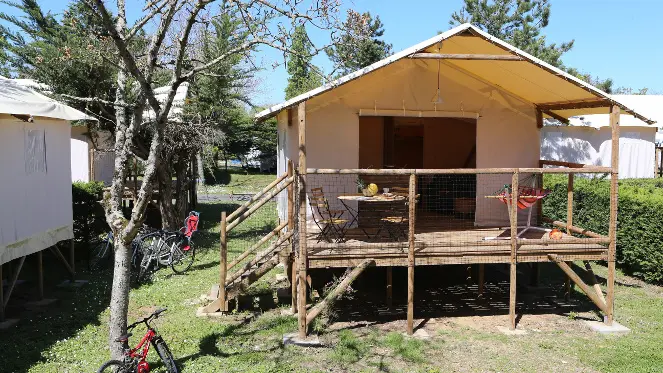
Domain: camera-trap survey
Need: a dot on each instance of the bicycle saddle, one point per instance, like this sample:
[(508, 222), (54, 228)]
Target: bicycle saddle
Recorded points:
[(123, 338)]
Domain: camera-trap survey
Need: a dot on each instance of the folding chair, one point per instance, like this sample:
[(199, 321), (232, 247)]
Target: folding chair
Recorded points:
[(332, 227)]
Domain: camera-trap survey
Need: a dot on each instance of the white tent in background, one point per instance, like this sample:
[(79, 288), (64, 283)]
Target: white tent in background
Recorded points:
[(587, 139), (35, 192)]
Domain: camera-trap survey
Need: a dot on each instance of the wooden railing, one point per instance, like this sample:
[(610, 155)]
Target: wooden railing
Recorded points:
[(514, 241), (243, 212)]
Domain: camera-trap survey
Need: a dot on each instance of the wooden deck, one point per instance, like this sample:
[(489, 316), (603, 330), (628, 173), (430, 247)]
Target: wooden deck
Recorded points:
[(450, 243)]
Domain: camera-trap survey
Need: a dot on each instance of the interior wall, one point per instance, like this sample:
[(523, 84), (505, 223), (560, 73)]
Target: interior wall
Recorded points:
[(449, 143), (36, 205)]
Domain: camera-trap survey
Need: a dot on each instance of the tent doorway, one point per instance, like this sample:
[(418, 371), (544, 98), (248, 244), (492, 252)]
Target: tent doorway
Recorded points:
[(407, 142)]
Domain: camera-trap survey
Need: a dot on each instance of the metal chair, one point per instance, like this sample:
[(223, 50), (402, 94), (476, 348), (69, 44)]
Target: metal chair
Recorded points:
[(330, 223)]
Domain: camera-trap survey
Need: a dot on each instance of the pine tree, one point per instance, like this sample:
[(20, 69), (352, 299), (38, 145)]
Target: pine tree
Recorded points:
[(303, 75), (360, 44)]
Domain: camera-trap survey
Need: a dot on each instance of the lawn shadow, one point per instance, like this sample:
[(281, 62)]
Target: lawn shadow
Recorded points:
[(444, 291)]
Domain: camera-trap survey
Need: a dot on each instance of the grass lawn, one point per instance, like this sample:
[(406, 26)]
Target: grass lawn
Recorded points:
[(72, 335), (238, 181)]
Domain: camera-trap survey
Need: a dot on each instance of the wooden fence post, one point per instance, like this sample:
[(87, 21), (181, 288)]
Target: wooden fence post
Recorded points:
[(291, 267), (612, 233), (514, 246), (223, 267), (303, 259), (410, 254)]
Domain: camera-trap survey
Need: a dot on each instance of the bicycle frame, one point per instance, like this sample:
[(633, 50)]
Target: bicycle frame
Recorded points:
[(136, 352)]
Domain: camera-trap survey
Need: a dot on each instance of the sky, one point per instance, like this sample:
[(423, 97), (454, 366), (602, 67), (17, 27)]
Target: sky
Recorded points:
[(618, 39)]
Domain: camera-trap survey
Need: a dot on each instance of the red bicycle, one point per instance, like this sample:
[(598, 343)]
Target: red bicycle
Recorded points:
[(135, 358)]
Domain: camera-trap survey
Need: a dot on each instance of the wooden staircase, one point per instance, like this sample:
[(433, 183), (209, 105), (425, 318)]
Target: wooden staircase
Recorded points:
[(232, 285)]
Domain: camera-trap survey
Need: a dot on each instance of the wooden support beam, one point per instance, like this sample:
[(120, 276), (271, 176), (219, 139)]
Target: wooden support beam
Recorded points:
[(539, 118), (338, 290), (390, 286), (17, 271), (223, 266), (303, 259), (578, 281), (55, 250), (574, 229), (595, 283), (612, 233), (468, 57), (556, 116), (570, 105), (514, 248), (412, 199), (40, 275)]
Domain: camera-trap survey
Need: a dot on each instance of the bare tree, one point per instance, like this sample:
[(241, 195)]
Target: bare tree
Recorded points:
[(161, 39)]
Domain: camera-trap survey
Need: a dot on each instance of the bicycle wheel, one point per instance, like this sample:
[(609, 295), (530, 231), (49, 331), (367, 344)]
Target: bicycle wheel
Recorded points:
[(115, 366), (100, 254), (164, 249), (181, 257), (165, 354)]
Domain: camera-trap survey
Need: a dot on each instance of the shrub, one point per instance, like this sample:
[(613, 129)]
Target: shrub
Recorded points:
[(89, 218), (640, 216)]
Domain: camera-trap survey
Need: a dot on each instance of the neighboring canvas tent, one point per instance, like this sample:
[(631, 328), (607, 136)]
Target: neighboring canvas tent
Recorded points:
[(35, 193), (587, 139), (92, 160)]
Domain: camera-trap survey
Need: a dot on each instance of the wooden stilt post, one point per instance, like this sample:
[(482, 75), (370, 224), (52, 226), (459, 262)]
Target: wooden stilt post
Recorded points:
[(612, 233), (410, 256), (292, 267), (390, 286), (514, 247), (72, 260), (15, 275), (303, 258), (569, 224), (595, 282), (223, 265), (40, 275), (481, 277), (2, 295)]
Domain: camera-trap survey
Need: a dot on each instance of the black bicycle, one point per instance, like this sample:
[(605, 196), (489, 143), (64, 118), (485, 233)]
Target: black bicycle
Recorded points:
[(135, 359)]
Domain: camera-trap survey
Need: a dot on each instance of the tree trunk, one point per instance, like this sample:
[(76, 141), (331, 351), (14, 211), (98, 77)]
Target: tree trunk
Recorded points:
[(200, 168), (119, 296), (168, 215)]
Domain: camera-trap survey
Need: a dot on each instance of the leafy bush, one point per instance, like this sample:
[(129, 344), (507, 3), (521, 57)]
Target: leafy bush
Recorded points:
[(639, 219), (89, 218)]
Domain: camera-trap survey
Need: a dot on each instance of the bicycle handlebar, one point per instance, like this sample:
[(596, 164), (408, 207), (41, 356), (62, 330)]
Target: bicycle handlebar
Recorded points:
[(154, 315)]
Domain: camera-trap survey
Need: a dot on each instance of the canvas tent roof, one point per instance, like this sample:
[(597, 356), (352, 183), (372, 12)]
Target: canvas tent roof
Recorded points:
[(177, 109), (18, 99), (522, 76)]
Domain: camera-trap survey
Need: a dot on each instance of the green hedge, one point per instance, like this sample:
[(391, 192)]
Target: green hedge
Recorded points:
[(639, 220), (89, 218)]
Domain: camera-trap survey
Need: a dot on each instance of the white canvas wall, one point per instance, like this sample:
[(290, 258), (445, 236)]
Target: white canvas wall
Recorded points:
[(104, 157), (36, 202), (588, 145)]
